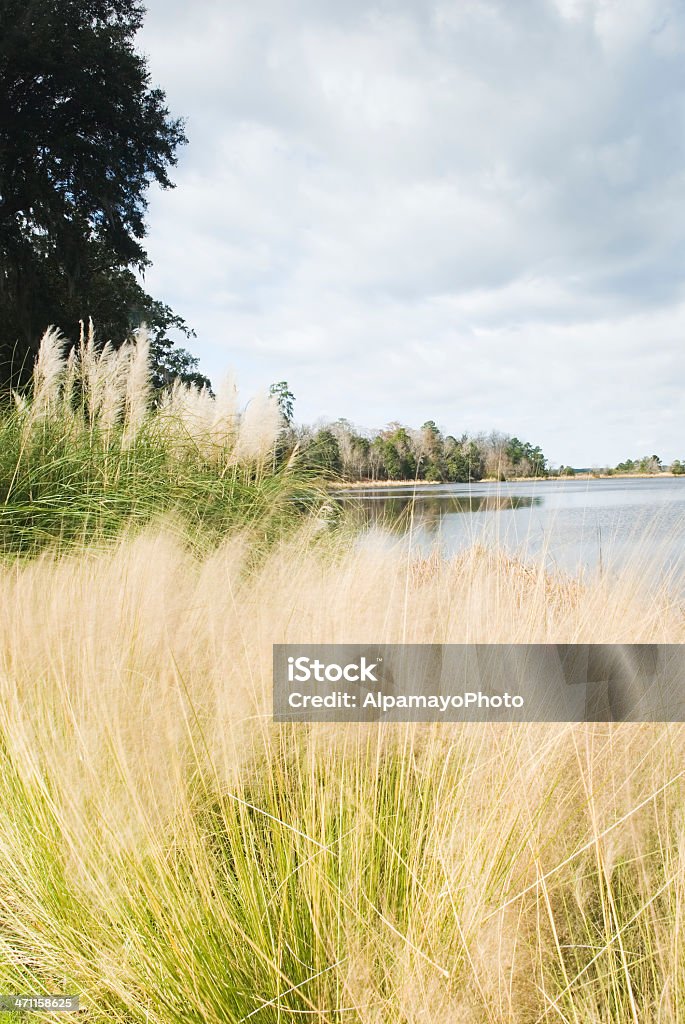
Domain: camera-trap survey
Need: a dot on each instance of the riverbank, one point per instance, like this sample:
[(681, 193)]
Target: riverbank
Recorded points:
[(364, 484)]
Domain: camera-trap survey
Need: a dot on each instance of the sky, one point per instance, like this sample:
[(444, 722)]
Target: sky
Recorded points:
[(471, 212)]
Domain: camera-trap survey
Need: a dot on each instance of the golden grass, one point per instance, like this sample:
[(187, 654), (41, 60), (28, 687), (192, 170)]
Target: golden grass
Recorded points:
[(174, 856)]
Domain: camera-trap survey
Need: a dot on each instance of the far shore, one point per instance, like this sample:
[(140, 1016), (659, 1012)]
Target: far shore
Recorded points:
[(363, 484)]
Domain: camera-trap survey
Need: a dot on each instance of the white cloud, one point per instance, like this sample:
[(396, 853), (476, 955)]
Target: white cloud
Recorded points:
[(469, 212)]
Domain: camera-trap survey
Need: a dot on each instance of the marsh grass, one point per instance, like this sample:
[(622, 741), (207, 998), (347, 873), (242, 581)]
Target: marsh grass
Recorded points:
[(86, 451), (171, 855)]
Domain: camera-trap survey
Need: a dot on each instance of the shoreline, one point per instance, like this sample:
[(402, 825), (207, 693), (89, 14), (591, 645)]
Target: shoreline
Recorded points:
[(365, 484)]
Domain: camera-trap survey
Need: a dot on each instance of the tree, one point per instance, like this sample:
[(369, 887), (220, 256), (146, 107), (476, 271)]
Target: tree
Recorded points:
[(526, 459), (515, 450), (647, 464), (355, 450), (536, 459), (323, 453), (430, 452), (82, 136), (285, 399), (650, 464), (456, 461), (474, 461), (397, 452), (168, 361)]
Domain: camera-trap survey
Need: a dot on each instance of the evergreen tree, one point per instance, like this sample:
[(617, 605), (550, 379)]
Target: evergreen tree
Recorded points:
[(82, 136)]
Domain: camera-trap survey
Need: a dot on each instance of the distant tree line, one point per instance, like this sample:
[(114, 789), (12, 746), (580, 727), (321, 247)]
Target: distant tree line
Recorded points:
[(399, 452), (650, 464)]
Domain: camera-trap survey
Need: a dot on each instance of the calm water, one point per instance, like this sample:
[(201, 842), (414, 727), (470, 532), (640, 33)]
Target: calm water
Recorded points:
[(570, 523)]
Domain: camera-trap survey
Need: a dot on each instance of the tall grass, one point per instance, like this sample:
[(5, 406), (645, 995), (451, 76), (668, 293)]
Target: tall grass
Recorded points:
[(89, 449), (172, 856)]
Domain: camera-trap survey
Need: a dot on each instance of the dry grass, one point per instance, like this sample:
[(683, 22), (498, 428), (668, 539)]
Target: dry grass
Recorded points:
[(169, 853)]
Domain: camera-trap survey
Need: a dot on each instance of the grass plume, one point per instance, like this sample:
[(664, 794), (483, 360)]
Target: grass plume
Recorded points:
[(47, 374), (86, 450)]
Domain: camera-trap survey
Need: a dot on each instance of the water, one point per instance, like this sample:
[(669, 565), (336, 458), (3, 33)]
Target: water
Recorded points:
[(572, 524)]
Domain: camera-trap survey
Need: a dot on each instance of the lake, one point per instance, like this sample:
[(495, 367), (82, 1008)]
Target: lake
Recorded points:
[(572, 524)]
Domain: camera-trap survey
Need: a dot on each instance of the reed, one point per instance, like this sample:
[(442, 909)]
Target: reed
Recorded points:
[(171, 855), (88, 449)]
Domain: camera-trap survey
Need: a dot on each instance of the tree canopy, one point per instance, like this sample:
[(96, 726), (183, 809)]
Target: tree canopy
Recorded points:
[(82, 136), (285, 399), (646, 464), (402, 453)]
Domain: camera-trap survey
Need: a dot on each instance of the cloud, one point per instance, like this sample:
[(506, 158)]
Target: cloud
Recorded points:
[(469, 212)]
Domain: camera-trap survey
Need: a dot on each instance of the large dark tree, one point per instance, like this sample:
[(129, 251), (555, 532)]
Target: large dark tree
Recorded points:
[(82, 136)]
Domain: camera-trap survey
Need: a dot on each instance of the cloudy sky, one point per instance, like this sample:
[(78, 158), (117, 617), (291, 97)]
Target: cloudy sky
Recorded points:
[(469, 211)]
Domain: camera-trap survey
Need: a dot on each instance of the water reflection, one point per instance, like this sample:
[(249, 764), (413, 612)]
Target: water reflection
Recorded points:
[(394, 512), (570, 524)]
